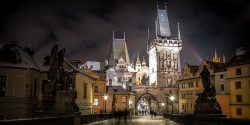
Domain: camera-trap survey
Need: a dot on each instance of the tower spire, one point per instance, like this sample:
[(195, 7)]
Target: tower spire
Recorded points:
[(215, 54), (138, 61), (179, 32), (124, 36), (165, 5), (148, 36), (113, 34), (224, 58)]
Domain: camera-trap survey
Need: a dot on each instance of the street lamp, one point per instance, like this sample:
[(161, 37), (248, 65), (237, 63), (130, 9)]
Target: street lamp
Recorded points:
[(105, 97), (172, 99)]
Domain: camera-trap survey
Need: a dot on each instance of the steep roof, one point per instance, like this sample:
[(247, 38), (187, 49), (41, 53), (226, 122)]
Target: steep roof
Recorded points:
[(14, 56), (118, 90), (162, 23), (119, 50), (217, 66), (239, 60), (193, 68)]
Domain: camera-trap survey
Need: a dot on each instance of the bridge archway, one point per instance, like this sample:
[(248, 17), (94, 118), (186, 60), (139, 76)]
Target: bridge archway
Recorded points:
[(146, 103)]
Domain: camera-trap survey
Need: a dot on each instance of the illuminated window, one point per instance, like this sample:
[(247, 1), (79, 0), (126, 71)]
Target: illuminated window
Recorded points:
[(237, 85), (95, 102), (238, 98), (2, 85), (238, 71), (123, 99), (238, 111)]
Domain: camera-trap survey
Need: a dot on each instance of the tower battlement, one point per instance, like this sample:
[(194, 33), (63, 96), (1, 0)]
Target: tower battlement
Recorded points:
[(165, 43)]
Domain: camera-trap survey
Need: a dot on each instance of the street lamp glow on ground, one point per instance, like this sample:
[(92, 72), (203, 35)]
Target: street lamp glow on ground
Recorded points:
[(172, 99), (105, 97)]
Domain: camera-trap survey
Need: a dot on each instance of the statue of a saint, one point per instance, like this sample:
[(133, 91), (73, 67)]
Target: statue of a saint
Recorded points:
[(205, 75)]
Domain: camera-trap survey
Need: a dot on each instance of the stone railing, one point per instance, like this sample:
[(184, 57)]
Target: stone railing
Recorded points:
[(58, 120), (209, 119)]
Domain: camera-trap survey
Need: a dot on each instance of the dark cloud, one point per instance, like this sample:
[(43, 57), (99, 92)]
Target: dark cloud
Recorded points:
[(85, 28)]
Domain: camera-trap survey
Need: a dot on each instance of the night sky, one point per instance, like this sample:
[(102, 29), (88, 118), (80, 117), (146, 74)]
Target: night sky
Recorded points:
[(84, 27)]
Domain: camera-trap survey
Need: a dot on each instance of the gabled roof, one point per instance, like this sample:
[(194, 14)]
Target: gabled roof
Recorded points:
[(118, 90), (20, 58), (193, 68), (119, 50)]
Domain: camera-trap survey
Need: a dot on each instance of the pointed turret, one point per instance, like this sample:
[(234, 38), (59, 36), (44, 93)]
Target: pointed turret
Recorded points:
[(224, 58), (144, 61), (138, 61), (216, 58), (179, 32), (215, 54)]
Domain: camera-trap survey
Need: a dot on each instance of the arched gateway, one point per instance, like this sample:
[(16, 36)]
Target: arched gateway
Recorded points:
[(145, 103)]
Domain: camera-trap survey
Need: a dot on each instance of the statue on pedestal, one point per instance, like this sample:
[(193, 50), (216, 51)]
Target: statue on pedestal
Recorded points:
[(206, 102)]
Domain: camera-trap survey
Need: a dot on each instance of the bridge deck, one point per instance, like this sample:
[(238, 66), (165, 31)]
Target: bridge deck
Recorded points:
[(137, 120)]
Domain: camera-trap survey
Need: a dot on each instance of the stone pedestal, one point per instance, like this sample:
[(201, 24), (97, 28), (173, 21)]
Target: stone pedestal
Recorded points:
[(206, 103)]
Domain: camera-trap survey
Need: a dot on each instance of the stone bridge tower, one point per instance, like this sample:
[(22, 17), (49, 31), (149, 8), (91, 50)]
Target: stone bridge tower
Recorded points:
[(164, 53), (164, 68)]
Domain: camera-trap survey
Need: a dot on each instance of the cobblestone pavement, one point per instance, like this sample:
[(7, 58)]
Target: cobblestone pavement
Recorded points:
[(137, 120)]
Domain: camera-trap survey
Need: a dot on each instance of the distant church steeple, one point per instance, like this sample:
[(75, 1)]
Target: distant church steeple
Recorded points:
[(216, 58)]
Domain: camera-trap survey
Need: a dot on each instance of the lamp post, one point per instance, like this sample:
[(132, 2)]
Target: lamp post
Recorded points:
[(172, 99), (162, 105), (105, 97)]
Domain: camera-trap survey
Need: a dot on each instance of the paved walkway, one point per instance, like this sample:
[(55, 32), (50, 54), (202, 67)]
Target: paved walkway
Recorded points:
[(138, 120)]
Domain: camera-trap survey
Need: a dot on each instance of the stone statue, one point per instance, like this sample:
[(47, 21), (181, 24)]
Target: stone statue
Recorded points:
[(206, 102), (205, 75)]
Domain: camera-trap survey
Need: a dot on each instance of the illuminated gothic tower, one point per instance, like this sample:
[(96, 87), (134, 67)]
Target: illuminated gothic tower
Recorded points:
[(164, 53)]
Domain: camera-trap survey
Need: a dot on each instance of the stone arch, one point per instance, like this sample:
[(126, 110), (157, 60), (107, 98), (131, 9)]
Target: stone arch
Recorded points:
[(146, 95)]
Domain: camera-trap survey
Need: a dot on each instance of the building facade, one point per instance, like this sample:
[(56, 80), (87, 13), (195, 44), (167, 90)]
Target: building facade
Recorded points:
[(238, 75)]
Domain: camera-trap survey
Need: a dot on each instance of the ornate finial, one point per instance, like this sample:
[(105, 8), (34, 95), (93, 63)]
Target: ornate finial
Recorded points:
[(148, 36), (165, 5)]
